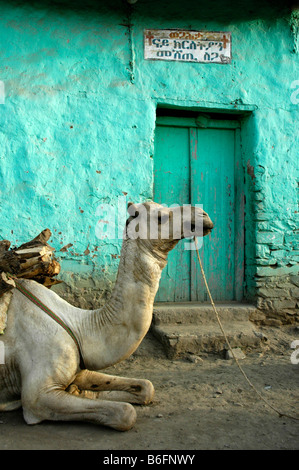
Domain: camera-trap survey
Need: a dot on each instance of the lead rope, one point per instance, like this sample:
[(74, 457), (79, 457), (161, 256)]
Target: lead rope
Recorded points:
[(229, 346)]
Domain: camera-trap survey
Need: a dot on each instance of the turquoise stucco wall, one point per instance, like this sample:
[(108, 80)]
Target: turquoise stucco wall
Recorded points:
[(78, 123)]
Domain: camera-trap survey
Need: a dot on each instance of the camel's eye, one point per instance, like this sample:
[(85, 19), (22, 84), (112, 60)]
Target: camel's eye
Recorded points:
[(162, 218)]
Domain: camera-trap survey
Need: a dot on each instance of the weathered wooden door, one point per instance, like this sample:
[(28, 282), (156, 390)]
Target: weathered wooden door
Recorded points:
[(201, 165)]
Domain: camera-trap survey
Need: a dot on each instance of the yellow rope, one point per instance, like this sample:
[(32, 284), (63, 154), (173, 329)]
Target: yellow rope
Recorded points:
[(228, 343)]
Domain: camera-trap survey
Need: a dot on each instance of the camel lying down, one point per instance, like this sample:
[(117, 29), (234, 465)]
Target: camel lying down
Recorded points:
[(51, 376)]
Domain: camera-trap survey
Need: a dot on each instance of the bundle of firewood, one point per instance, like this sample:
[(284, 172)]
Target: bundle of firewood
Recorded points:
[(32, 260)]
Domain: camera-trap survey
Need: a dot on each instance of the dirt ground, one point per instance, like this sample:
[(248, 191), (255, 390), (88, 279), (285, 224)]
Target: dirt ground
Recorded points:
[(205, 404)]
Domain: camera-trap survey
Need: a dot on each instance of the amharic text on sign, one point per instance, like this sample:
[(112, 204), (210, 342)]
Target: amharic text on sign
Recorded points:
[(187, 46)]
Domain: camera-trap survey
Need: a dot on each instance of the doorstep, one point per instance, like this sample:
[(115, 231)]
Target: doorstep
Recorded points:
[(192, 327)]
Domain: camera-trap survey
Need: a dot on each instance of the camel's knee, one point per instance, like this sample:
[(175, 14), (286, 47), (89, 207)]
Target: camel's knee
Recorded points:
[(145, 391), (125, 417)]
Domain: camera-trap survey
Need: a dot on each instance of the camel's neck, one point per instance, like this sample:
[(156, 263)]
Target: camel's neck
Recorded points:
[(117, 329), (137, 280)]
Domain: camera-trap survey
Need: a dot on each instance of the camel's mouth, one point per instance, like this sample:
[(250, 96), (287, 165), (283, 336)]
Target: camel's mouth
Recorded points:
[(208, 228), (205, 229)]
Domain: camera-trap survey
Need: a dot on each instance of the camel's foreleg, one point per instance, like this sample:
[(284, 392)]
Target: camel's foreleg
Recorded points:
[(59, 405), (110, 387)]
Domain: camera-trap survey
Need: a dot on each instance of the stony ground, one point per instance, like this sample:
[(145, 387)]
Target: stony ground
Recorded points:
[(202, 403)]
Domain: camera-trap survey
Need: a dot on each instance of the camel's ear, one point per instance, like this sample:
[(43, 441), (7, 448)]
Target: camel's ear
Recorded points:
[(132, 208)]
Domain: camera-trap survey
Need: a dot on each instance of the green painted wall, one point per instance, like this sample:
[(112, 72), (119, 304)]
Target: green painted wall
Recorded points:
[(78, 124)]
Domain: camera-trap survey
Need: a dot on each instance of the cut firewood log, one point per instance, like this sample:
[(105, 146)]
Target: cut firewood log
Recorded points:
[(42, 238), (32, 260), (6, 284), (4, 245)]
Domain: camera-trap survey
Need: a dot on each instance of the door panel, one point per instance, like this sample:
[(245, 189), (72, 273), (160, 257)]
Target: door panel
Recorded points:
[(172, 186), (212, 185), (200, 166)]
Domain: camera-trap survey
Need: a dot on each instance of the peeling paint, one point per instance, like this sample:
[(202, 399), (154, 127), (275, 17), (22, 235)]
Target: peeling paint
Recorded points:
[(250, 170), (66, 247)]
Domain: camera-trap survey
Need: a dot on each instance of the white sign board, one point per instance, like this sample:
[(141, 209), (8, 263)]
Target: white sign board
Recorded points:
[(187, 46)]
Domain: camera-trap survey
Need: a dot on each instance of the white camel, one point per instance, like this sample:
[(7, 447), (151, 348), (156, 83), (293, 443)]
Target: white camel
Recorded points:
[(42, 372)]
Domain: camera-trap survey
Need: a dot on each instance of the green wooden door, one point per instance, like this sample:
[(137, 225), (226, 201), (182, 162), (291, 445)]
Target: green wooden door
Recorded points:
[(194, 165)]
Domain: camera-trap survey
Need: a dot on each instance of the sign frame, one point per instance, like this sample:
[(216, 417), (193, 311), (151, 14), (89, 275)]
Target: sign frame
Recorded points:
[(182, 45)]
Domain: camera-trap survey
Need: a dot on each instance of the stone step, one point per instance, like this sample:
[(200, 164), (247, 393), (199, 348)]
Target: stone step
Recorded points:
[(193, 328), (200, 313)]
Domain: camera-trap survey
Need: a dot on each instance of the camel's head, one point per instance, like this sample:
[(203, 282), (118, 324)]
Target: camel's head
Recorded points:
[(162, 227)]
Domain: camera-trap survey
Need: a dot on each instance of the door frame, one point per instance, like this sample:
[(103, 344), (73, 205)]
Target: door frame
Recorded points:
[(204, 121)]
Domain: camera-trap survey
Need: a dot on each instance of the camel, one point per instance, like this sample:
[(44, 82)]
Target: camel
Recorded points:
[(42, 372)]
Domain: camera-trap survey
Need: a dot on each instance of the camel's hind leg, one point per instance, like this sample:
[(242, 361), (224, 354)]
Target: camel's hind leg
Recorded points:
[(11, 405), (111, 387)]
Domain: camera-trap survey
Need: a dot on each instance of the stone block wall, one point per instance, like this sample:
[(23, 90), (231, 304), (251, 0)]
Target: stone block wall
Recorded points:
[(272, 230), (277, 300)]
